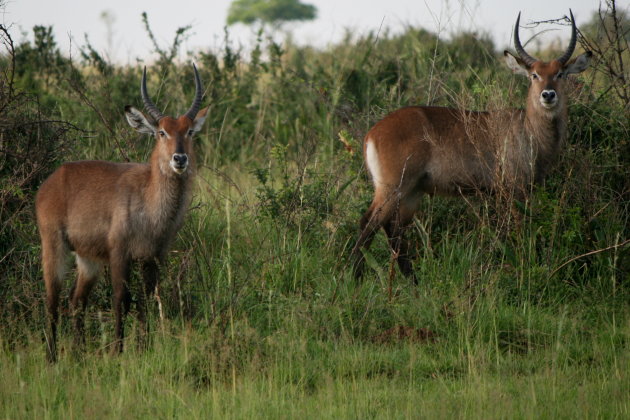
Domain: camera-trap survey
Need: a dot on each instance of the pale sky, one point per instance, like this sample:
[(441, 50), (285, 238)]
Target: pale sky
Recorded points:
[(72, 19)]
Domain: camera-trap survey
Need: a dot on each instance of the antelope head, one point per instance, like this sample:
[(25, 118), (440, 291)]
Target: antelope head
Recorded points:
[(547, 79), (173, 149)]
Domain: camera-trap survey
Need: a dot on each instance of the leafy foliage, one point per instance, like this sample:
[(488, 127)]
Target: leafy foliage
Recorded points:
[(32, 142), (608, 36)]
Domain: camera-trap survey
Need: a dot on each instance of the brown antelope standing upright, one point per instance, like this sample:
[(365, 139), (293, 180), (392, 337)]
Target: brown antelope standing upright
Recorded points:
[(434, 150), (115, 213)]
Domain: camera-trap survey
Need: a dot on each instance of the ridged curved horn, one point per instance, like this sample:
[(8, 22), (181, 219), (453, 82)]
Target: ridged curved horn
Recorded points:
[(194, 108), (569, 52), (148, 105), (528, 59)]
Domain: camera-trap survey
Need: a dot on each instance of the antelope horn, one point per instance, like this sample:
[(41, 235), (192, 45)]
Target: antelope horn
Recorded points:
[(565, 57), (194, 108), (528, 59), (148, 105)]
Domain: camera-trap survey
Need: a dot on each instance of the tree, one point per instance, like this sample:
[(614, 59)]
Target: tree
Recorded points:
[(274, 12), (608, 25), (607, 35)]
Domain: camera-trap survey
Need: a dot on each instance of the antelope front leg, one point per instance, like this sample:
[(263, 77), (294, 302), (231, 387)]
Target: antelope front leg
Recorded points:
[(120, 267), (150, 274)]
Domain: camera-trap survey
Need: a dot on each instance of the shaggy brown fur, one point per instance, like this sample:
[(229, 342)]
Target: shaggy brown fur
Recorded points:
[(115, 213)]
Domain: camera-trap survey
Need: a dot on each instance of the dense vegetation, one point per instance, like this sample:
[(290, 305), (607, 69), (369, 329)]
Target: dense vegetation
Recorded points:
[(521, 308)]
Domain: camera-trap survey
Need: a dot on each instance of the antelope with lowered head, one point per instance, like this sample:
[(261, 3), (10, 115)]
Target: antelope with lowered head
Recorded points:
[(116, 213), (433, 150)]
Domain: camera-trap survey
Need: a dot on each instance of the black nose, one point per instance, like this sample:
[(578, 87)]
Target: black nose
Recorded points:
[(548, 95), (180, 159)]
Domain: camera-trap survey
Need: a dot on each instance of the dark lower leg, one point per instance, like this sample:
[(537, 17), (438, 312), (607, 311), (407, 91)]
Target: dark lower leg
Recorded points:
[(80, 293), (150, 274), (53, 318), (52, 305), (357, 258), (400, 248), (122, 298), (368, 230)]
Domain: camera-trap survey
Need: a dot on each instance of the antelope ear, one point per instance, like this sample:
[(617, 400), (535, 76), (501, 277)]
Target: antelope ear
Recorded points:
[(579, 63), (139, 121), (515, 64), (200, 119)]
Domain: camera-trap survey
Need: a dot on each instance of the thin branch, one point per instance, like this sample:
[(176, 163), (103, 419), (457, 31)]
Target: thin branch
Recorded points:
[(597, 251), (10, 47)]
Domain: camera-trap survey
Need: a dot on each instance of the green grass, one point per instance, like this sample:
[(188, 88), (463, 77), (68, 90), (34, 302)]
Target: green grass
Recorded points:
[(262, 321), (563, 371)]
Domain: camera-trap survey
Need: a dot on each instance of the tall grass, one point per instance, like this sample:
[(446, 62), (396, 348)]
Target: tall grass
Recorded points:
[(258, 314)]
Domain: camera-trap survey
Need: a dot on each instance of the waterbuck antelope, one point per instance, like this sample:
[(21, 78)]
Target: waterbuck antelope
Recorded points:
[(434, 150), (115, 213)]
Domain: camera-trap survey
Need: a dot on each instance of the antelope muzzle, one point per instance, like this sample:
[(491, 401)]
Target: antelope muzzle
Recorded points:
[(548, 98), (179, 162)]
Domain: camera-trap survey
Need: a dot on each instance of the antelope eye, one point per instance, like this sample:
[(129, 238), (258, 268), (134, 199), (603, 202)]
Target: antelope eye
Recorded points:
[(560, 75), (190, 132), (162, 133), (535, 76)]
